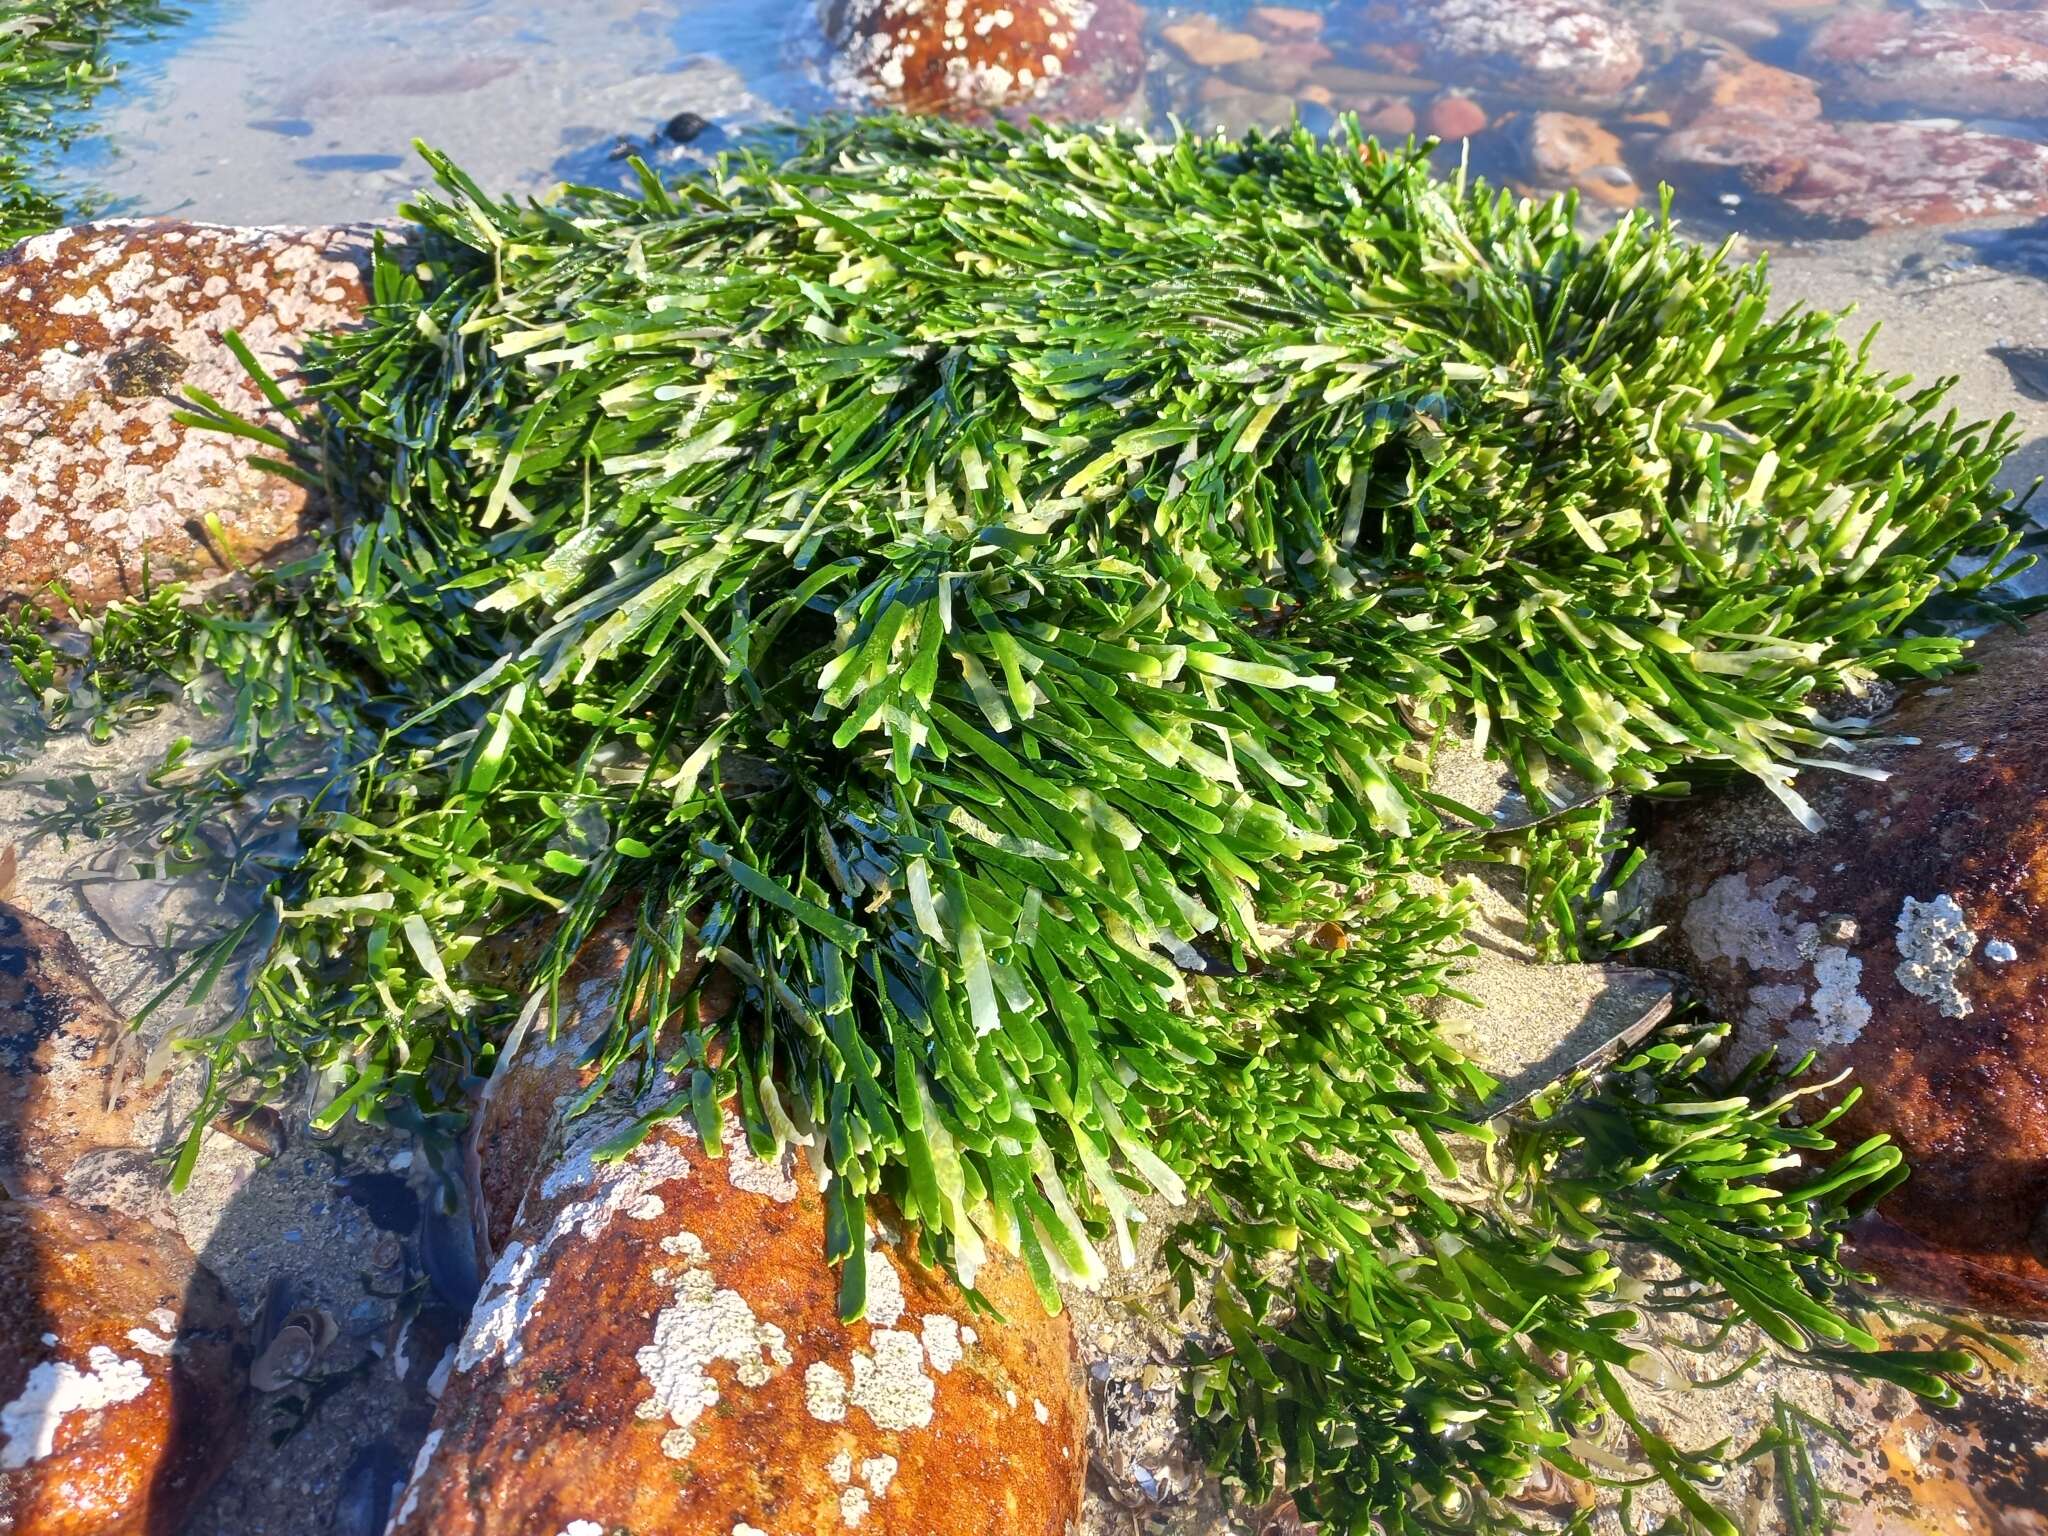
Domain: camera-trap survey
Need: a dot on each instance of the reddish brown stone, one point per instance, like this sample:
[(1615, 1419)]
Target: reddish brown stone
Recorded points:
[(1069, 58), (1908, 944), (1967, 60), (70, 1085), (1882, 175), (102, 328), (1453, 117), (1725, 81), (658, 1349), (122, 1374)]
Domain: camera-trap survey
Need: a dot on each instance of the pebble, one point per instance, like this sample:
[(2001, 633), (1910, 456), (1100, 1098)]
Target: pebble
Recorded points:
[(1454, 117)]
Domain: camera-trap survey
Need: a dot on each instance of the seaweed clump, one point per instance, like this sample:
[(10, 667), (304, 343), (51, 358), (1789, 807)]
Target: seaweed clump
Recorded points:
[(996, 591), (53, 61)]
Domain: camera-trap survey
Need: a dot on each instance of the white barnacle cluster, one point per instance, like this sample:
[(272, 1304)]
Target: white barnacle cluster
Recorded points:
[(518, 1282), (56, 1389), (991, 54), (1730, 922), (706, 1322), (1935, 941)]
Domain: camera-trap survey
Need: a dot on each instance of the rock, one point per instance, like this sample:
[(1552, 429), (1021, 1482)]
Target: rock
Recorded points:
[(1569, 48), (121, 1372), (102, 326), (1906, 945), (1452, 117), (1385, 117), (1564, 149), (1972, 61), (1203, 41), (70, 1077), (1283, 23), (1273, 70), (1725, 81), (1879, 175), (658, 1349), (1069, 58)]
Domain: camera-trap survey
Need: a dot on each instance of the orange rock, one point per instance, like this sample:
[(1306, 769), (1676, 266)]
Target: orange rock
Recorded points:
[(1564, 149), (970, 57), (1386, 118), (1732, 82), (1319, 94), (1201, 40), (70, 1085), (1905, 944), (659, 1350), (122, 1374), (107, 324), (1455, 117)]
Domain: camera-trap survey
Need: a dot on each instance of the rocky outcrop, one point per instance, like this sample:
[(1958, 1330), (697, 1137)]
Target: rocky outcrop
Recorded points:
[(1967, 60), (122, 1371), (102, 328), (1066, 58), (1906, 944)]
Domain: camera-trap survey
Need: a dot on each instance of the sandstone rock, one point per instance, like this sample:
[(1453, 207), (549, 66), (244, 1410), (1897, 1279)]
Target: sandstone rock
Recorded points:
[(122, 1373), (102, 327), (1201, 40), (1572, 48), (658, 1349), (70, 1077), (1074, 58), (1564, 149), (1453, 117), (1970, 61), (1906, 945), (1882, 175)]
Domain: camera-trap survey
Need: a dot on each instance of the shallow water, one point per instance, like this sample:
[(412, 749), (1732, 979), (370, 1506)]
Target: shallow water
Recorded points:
[(287, 111)]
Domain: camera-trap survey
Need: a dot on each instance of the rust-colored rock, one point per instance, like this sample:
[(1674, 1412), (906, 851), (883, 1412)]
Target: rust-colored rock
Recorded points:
[(1065, 58), (658, 1346), (102, 327), (658, 1349), (1907, 943), (122, 1374), (70, 1083), (1727, 81)]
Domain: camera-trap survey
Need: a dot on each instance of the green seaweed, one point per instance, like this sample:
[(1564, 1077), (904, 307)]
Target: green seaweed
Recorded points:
[(996, 591), (53, 62)]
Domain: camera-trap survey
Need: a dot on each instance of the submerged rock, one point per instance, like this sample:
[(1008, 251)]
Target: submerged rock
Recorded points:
[(1906, 944), (1880, 175), (102, 329), (1066, 58), (1965, 60), (121, 1371), (71, 1086), (1568, 48)]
